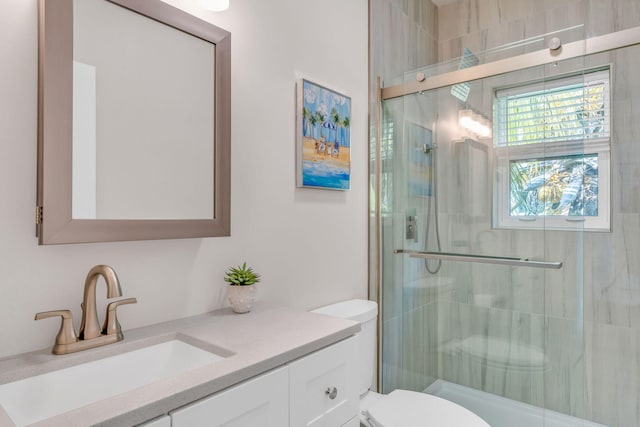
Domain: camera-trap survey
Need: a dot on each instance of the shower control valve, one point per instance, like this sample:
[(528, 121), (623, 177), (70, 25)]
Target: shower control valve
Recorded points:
[(411, 232)]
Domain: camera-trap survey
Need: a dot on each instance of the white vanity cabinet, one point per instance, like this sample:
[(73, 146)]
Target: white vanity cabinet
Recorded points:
[(317, 390), (324, 387), (259, 402)]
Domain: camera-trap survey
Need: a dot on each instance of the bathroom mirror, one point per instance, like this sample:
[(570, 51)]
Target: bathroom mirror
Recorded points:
[(134, 123)]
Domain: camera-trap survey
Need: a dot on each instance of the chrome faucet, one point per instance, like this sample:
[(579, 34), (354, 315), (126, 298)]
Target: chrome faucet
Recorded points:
[(90, 334)]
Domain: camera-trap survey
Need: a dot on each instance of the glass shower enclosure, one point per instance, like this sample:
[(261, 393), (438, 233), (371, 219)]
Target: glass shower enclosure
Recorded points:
[(487, 183)]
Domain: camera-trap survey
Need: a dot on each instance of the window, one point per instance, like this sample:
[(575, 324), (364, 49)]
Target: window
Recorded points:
[(552, 151)]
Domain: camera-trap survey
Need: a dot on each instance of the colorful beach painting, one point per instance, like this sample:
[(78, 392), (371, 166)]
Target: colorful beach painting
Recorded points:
[(323, 137)]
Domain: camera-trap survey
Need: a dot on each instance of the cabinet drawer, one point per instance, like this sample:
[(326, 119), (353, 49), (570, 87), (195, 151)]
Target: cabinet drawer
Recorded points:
[(259, 402), (313, 378)]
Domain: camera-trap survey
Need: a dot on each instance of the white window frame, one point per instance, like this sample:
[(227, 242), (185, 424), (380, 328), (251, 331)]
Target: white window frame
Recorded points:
[(504, 155)]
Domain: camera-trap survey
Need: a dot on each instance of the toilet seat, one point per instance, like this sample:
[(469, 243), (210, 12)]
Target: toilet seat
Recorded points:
[(402, 408)]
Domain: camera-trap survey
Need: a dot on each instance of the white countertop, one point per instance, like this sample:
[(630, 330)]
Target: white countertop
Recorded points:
[(261, 340)]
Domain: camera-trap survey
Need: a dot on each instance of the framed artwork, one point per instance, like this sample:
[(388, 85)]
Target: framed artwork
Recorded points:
[(323, 143), (419, 143)]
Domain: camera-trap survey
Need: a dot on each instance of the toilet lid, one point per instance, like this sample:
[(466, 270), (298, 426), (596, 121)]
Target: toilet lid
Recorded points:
[(402, 408)]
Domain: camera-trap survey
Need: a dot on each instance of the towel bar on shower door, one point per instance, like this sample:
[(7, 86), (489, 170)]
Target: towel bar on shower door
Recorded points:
[(445, 256)]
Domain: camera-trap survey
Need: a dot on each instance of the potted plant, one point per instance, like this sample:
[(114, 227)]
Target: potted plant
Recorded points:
[(242, 289)]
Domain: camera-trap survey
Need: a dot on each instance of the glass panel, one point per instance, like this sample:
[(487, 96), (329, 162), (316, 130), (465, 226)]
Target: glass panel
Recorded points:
[(565, 186), (611, 268), (470, 332), (471, 56)]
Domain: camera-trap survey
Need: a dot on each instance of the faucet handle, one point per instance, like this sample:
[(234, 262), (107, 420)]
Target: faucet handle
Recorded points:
[(66, 335), (111, 325)]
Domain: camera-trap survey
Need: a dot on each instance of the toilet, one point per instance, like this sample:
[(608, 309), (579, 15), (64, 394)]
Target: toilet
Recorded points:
[(400, 408)]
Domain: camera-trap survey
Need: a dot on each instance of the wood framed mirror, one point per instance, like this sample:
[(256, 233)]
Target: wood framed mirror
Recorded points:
[(134, 118)]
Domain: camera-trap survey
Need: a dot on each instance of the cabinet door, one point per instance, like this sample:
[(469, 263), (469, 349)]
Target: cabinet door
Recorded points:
[(259, 402), (313, 378)]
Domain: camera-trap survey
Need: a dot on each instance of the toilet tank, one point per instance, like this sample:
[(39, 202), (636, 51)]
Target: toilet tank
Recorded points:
[(365, 312)]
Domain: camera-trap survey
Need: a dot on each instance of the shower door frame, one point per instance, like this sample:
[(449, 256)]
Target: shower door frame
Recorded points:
[(581, 48), (604, 43)]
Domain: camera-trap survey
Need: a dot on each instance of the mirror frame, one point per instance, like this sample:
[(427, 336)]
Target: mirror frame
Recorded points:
[(54, 222)]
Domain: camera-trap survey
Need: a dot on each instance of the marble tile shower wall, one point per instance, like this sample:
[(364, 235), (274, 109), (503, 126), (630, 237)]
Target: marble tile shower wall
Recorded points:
[(403, 36), (485, 24), (404, 33), (586, 316), (612, 271)]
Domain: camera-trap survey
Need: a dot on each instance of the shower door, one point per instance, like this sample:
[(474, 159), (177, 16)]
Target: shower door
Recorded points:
[(502, 174)]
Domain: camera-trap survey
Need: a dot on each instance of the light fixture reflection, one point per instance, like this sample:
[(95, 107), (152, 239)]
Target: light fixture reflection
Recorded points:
[(215, 5), (474, 123)]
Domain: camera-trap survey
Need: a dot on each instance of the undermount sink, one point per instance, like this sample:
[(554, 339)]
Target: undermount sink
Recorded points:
[(39, 397)]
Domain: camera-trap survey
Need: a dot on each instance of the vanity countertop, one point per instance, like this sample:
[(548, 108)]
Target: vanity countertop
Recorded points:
[(261, 340)]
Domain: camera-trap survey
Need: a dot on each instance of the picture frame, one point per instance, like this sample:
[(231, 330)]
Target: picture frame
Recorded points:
[(323, 137)]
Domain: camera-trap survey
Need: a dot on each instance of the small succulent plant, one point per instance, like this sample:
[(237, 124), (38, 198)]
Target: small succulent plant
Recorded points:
[(241, 276)]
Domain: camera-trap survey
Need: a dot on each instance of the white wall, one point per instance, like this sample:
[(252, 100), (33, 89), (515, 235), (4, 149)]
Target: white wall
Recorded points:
[(310, 245)]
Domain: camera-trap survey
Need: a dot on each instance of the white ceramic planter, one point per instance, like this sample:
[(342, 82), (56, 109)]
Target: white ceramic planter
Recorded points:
[(242, 298)]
